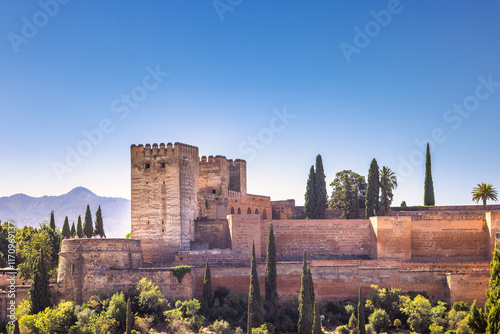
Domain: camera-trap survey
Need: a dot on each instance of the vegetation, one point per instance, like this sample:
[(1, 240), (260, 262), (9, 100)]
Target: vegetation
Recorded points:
[(255, 307), (320, 196), (305, 302), (388, 182), (130, 320), (73, 230), (428, 185), (349, 190), (39, 294), (316, 329), (403, 204), (79, 228), (180, 271), (207, 287), (361, 313), (52, 220), (88, 230), (309, 205), (66, 231), (271, 286), (484, 192), (99, 226), (372, 191)]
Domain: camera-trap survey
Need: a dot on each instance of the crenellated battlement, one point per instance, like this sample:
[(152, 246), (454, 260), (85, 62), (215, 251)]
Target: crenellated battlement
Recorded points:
[(162, 150)]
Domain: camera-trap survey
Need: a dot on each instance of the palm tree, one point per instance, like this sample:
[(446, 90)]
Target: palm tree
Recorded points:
[(388, 182), (484, 192)]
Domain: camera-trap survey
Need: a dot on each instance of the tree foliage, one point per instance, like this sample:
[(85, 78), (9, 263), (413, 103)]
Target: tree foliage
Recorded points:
[(255, 307), (492, 306), (348, 195), (88, 230), (309, 204), (52, 220), (306, 312), (418, 311), (388, 182), (73, 230), (146, 298), (316, 329), (79, 228), (130, 319), (361, 313), (379, 320), (271, 285), (66, 231), (372, 190), (39, 293), (99, 226), (428, 184), (484, 192), (207, 287), (476, 320), (320, 196)]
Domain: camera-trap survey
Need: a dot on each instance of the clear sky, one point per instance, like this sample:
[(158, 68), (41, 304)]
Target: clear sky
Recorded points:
[(272, 82)]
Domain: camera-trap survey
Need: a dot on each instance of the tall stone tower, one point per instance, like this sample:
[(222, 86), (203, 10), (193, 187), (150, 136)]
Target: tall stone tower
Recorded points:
[(164, 199)]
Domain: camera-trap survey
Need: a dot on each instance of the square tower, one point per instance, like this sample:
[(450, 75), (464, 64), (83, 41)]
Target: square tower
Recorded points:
[(164, 187)]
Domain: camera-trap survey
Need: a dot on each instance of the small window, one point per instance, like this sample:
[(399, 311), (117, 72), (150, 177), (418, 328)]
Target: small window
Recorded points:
[(213, 191), (148, 221), (147, 166), (146, 182), (163, 182), (162, 165), (162, 222), (163, 230)]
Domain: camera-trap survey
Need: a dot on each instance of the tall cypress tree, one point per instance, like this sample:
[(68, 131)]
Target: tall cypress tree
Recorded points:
[(66, 232), (88, 229), (317, 320), (52, 220), (255, 308), (309, 205), (305, 305), (130, 318), (492, 306), (310, 284), (428, 185), (39, 294), (73, 230), (271, 275), (207, 287), (79, 228), (99, 227), (361, 313), (372, 190), (320, 189)]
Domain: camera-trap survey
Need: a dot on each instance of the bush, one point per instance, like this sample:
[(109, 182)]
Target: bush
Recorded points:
[(221, 327), (353, 322), (397, 323), (180, 272), (342, 330), (185, 316), (379, 320), (436, 329), (369, 329), (147, 299)]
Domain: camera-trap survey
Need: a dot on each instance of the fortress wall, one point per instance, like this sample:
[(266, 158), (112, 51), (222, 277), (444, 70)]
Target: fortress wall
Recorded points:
[(465, 287), (457, 240), (213, 232), (254, 203), (215, 257), (393, 237), (326, 239), (244, 229), (492, 227)]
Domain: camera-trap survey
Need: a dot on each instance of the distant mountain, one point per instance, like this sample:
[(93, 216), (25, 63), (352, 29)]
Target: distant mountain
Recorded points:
[(25, 210)]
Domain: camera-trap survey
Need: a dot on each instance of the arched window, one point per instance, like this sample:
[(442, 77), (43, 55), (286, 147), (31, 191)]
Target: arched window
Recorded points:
[(264, 214), (249, 211), (239, 211), (232, 210), (256, 211)]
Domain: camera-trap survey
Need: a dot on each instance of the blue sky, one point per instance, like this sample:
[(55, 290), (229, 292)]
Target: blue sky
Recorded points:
[(355, 81)]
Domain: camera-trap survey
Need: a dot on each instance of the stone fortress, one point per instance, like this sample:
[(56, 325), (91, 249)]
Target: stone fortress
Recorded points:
[(187, 209)]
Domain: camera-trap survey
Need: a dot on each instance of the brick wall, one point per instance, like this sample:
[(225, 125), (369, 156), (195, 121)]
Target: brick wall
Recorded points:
[(213, 232)]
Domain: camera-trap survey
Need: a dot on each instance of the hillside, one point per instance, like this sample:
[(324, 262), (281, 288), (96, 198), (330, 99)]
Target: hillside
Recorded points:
[(26, 210)]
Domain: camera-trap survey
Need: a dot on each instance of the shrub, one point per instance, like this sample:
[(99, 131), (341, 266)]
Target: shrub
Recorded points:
[(436, 329), (180, 272), (353, 322), (147, 299), (221, 327), (379, 320), (397, 323)]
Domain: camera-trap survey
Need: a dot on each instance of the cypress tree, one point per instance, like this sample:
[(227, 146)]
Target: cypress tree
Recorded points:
[(492, 306), (372, 190), (66, 232), (73, 230), (79, 228), (40, 289), (320, 189), (16, 328), (52, 220), (476, 320), (271, 275), (88, 230), (361, 314), (309, 205), (317, 320), (428, 185), (255, 308), (310, 284), (99, 226), (130, 319), (305, 306), (207, 287)]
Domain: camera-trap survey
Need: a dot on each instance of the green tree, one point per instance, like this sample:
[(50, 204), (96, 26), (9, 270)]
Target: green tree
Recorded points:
[(39, 294), (79, 228), (88, 230), (66, 231), (52, 220), (117, 309), (403, 204), (484, 192), (492, 306), (320, 196), (73, 230), (476, 320), (207, 287), (309, 204), (146, 298), (361, 313), (99, 226), (418, 311), (372, 190), (271, 288), (306, 312), (348, 195), (388, 182), (316, 329), (428, 185), (353, 322), (130, 318), (29, 243), (255, 307), (379, 320)]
